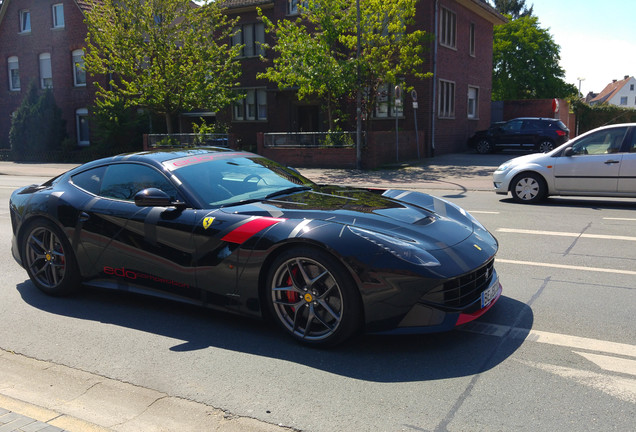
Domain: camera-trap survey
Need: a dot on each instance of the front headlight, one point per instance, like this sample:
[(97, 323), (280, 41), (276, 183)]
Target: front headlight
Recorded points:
[(503, 167), (403, 249)]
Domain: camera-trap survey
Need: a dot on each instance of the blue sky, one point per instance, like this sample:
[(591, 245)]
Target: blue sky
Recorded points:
[(597, 38)]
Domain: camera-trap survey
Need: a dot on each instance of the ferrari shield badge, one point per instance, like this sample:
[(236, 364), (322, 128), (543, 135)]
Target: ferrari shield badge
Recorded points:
[(207, 222)]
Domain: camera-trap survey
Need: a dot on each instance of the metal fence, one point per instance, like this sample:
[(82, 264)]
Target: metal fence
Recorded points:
[(310, 139), (187, 140)]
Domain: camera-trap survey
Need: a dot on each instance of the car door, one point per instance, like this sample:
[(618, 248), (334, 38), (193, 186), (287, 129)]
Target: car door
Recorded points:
[(509, 135), (627, 171), (141, 248), (594, 164)]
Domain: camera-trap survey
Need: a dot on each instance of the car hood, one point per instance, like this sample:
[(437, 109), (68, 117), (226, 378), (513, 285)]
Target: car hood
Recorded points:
[(431, 221)]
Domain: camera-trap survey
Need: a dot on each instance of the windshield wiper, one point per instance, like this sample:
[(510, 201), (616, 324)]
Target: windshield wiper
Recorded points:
[(287, 191), (266, 197)]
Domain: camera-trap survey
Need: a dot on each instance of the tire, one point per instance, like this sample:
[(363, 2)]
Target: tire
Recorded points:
[(545, 146), (313, 298), (48, 258), (484, 146), (528, 188)]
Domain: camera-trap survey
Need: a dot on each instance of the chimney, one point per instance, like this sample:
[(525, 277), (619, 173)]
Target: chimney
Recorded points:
[(626, 76)]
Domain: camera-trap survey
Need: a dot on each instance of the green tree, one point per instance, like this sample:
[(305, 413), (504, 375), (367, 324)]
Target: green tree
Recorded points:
[(317, 53), (514, 8), (526, 62), (37, 125), (163, 55)]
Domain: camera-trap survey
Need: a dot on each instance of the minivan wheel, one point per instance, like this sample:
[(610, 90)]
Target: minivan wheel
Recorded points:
[(484, 146), (545, 146)]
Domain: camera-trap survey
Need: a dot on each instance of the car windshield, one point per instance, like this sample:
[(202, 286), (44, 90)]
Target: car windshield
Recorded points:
[(225, 179)]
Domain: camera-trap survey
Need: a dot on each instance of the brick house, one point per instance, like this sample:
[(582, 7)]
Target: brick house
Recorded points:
[(450, 106), (42, 41)]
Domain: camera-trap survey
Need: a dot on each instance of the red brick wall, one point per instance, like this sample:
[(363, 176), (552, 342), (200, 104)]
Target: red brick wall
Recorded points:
[(60, 43)]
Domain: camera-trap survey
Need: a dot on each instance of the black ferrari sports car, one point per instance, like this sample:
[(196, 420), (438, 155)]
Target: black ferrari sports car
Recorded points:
[(236, 231)]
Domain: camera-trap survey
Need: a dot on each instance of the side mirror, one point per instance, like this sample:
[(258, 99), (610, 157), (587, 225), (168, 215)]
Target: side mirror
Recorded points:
[(153, 197), (568, 152)]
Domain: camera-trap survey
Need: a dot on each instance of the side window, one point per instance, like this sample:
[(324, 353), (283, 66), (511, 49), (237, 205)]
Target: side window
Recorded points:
[(601, 142), (632, 148), (91, 180), (512, 126), (123, 181)]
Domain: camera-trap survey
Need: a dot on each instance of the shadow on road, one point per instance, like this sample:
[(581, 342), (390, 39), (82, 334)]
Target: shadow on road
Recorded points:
[(369, 357)]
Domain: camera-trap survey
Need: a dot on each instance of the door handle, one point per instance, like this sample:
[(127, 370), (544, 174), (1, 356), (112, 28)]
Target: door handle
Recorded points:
[(611, 161)]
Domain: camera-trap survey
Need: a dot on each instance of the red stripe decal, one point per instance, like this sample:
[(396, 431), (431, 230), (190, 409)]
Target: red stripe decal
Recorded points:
[(241, 234)]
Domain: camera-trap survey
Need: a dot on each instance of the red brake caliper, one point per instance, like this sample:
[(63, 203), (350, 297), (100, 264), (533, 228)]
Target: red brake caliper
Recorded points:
[(292, 296)]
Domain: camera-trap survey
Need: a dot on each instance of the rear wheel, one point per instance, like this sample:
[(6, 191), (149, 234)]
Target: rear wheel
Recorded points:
[(49, 259), (312, 297), (528, 188)]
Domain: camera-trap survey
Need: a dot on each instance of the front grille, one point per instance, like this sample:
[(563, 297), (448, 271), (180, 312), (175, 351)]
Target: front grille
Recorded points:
[(463, 290)]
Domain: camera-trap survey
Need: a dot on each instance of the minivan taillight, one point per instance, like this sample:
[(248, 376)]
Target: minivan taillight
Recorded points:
[(561, 133)]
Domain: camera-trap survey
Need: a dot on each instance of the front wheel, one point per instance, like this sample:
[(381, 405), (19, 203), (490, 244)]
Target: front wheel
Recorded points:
[(312, 297), (545, 146), (484, 146), (528, 188), (49, 259)]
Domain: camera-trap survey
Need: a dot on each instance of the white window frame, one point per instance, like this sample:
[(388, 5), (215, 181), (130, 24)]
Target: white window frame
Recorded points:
[(471, 39), (25, 21), (79, 74), (58, 15), (292, 6), (14, 73), (385, 106), (46, 73), (447, 28), (253, 107), (446, 99), (472, 106), (252, 37), (81, 118), (623, 100)]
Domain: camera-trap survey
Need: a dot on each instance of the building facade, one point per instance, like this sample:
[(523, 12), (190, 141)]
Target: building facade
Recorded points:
[(42, 43), (621, 93), (450, 106)]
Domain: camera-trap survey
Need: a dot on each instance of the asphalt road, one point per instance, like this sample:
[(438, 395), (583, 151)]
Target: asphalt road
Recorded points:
[(557, 352)]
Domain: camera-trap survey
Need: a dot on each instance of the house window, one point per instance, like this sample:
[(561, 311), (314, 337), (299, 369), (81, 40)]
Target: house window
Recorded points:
[(81, 121), (14, 74), (446, 99), (385, 103), (46, 76), (473, 102), (623, 100), (58, 15), (252, 107), (471, 41), (631, 87), (252, 37), (447, 28), (25, 21), (79, 74)]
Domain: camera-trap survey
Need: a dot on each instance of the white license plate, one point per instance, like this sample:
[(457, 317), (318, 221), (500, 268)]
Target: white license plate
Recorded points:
[(489, 294)]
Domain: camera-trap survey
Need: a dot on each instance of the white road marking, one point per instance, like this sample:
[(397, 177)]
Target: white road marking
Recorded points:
[(620, 219), (621, 388), (482, 212), (612, 364), (575, 342), (567, 267), (566, 234)]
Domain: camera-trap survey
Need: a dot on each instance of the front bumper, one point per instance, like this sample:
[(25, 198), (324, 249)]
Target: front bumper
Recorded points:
[(428, 318), (501, 182)]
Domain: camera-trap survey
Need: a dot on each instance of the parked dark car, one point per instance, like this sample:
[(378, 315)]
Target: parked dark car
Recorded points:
[(527, 133)]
